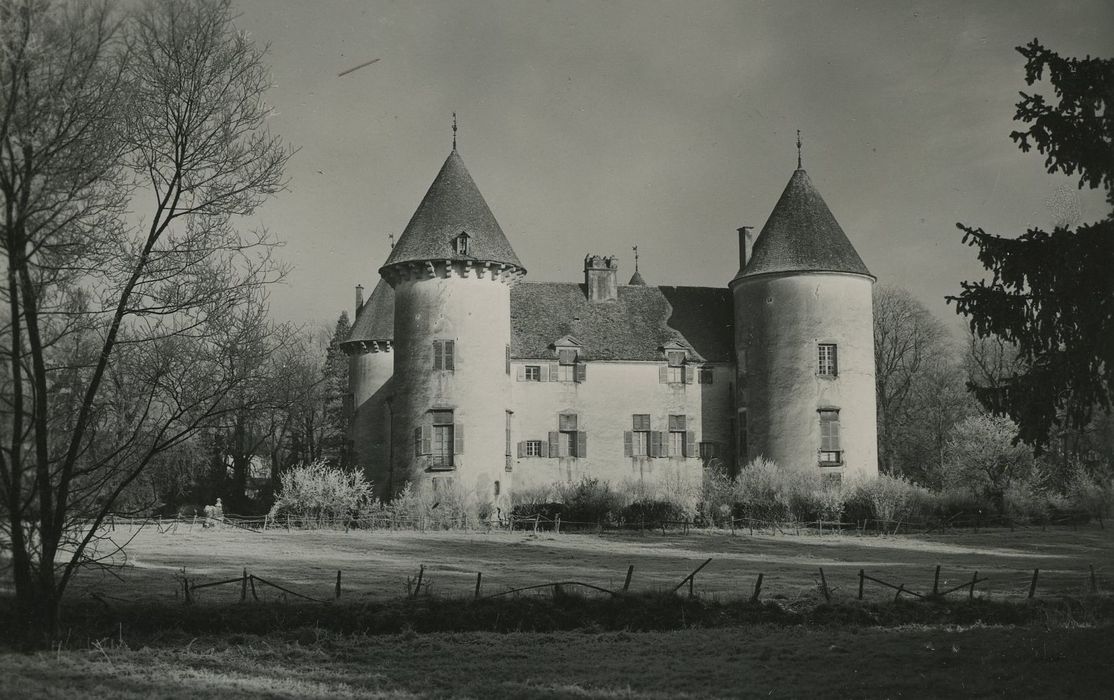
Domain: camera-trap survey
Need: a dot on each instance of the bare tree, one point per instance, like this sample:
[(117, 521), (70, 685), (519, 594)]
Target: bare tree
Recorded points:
[(911, 355), (125, 334)]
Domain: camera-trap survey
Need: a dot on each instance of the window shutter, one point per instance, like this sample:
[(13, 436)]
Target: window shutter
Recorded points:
[(522, 449), (582, 444), (690, 374), (664, 440), (543, 373), (438, 356), (628, 443), (554, 444), (544, 447), (554, 373), (655, 443), (521, 374), (663, 374), (417, 441), (508, 359), (690, 444), (450, 355), (458, 438), (581, 371), (835, 360), (427, 440)]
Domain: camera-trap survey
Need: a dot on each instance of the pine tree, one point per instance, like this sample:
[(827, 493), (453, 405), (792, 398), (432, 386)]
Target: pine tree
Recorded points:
[(335, 434)]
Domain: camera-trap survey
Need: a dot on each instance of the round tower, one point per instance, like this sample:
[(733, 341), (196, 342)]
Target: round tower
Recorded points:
[(804, 340), (451, 272), (370, 351)]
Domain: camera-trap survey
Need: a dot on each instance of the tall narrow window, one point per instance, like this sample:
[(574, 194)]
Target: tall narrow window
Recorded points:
[(682, 443), (444, 355), (828, 366), (443, 439), (566, 365), (830, 452), (640, 436), (675, 366), (567, 440)]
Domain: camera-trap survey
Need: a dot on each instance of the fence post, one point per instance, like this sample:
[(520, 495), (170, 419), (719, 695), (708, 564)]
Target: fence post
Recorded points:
[(974, 580), (900, 590), (862, 575), (630, 572), (338, 585), (757, 589), (1033, 585), (936, 582), (824, 586), (186, 585), (557, 524), (244, 586), (692, 581), (479, 577)]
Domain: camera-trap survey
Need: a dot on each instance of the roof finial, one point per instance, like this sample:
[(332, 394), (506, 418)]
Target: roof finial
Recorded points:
[(392, 237), (454, 131), (798, 149), (635, 248)]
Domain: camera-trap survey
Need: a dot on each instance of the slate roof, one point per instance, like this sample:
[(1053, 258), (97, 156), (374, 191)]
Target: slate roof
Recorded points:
[(636, 280), (376, 318), (633, 327), (802, 235), (453, 204)]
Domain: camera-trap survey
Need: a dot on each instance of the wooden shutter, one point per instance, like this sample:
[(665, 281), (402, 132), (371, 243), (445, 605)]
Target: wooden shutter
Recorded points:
[(427, 440), (450, 355), (690, 374), (543, 373), (554, 444), (664, 440), (582, 444), (520, 375), (690, 444), (581, 371), (522, 449), (663, 374), (508, 359), (544, 448), (835, 360), (655, 443), (628, 443), (458, 438), (438, 355), (554, 373)]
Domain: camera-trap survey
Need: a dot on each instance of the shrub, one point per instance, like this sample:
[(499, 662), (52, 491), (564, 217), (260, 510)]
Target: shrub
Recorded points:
[(320, 494), (589, 501), (653, 512), (891, 499), (444, 509)]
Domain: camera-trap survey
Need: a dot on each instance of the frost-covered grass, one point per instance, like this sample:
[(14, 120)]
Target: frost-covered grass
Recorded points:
[(757, 661)]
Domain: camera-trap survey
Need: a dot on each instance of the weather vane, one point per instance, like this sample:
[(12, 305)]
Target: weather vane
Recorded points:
[(635, 249), (454, 131), (392, 237), (798, 149)]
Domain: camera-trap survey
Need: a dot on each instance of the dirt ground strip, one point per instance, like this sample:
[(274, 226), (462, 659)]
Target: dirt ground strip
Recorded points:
[(376, 564)]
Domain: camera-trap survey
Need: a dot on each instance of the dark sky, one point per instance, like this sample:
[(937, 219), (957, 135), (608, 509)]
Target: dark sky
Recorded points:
[(595, 126)]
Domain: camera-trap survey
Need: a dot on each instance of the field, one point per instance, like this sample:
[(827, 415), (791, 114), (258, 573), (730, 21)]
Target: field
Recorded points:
[(1049, 655), (376, 564)]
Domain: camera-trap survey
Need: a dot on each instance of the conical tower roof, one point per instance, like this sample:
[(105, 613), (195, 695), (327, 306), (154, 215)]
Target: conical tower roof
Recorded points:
[(375, 320), (636, 280), (801, 235), (453, 205)]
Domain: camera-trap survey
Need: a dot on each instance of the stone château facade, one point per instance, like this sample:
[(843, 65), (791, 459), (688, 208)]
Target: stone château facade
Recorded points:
[(465, 373)]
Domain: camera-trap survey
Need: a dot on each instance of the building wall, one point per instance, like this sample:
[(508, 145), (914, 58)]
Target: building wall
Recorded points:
[(605, 403), (474, 312), (369, 374), (780, 320)]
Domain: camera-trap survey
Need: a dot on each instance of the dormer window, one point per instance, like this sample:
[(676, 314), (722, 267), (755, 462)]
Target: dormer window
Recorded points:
[(569, 366), (675, 370), (461, 244)]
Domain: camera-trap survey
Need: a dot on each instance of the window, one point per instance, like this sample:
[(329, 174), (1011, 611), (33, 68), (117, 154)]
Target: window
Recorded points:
[(568, 441), (533, 373), (827, 365), (533, 448), (682, 443), (568, 367), (443, 439), (830, 452), (460, 244), (444, 355), (675, 370), (567, 356), (640, 436), (706, 375)]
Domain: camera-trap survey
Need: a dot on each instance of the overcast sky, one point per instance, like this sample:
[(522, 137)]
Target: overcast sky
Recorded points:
[(596, 126)]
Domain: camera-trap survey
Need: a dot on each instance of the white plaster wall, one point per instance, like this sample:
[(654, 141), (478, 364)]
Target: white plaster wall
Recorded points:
[(475, 313), (604, 404), (780, 319), (369, 374)]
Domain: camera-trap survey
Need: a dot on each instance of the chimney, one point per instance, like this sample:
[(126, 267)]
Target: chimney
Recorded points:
[(359, 297), (601, 277), (744, 246)]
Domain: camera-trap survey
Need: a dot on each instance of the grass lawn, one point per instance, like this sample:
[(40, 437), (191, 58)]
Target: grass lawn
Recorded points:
[(760, 661), (376, 564)]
